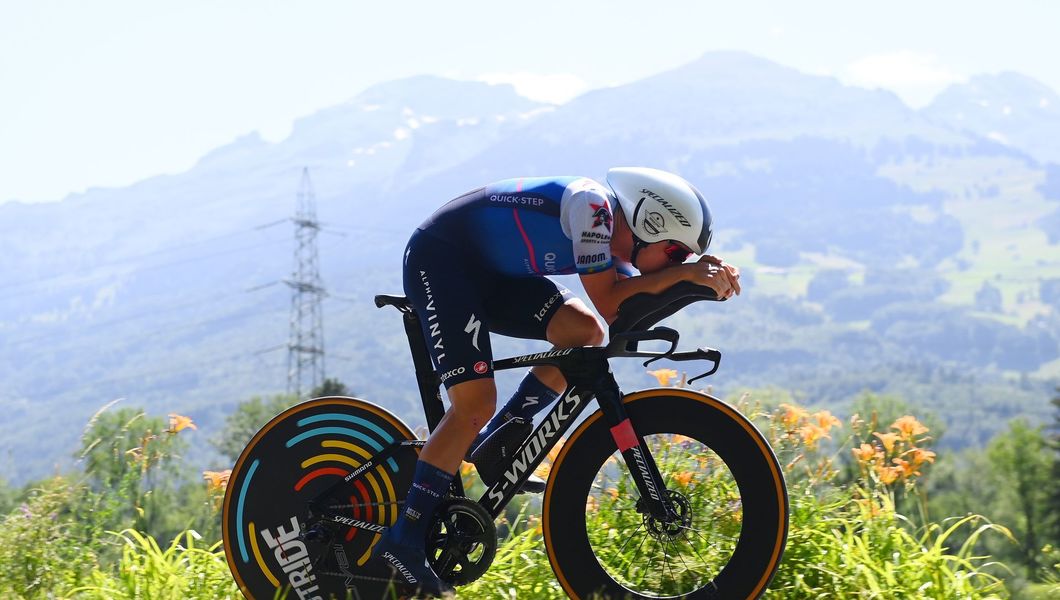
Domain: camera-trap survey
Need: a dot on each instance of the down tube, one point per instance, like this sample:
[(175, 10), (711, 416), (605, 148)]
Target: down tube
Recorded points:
[(535, 448)]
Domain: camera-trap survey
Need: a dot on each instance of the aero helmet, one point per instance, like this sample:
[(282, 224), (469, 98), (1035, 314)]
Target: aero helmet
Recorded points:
[(662, 206)]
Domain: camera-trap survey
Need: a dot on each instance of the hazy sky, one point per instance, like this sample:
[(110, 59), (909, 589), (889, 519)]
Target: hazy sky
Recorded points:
[(107, 92)]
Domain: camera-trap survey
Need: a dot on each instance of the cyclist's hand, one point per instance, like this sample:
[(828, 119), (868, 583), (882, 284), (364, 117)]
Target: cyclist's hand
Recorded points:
[(712, 272)]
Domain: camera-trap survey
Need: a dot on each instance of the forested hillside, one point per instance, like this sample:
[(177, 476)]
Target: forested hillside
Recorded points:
[(884, 248)]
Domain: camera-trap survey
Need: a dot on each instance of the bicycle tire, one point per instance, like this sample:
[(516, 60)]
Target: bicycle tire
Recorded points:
[(703, 422), (295, 457)]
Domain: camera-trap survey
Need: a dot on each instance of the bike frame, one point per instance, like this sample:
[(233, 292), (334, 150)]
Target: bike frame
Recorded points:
[(589, 377)]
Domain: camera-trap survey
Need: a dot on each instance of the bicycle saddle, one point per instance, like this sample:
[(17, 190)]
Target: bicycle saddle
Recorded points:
[(399, 302)]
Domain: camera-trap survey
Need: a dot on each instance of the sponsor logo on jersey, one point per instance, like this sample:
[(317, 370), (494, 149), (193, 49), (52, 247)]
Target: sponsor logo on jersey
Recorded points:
[(588, 259), (473, 327), (550, 262), (595, 237), (453, 373), (669, 207), (539, 315), (513, 199), (601, 215), (432, 316), (481, 367)]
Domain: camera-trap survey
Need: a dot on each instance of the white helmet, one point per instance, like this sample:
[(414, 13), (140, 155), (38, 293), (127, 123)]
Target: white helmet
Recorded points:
[(662, 206)]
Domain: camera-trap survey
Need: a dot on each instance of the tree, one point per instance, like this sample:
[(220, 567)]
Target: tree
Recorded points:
[(252, 415), (1021, 467), (330, 387), (1054, 485), (247, 419), (128, 459), (8, 495)]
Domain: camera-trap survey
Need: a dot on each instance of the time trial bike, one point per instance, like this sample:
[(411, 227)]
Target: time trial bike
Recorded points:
[(663, 492)]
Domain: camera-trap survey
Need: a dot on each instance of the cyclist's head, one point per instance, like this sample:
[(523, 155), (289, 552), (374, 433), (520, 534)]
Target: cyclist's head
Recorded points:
[(660, 206)]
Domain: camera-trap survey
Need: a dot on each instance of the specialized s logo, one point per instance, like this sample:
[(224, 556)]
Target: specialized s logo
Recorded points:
[(473, 327), (601, 214)]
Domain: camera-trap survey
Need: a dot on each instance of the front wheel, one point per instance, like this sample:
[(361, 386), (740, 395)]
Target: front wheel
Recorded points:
[(723, 483)]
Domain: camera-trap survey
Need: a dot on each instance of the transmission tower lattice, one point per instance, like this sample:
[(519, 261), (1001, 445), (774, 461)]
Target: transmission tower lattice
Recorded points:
[(305, 343)]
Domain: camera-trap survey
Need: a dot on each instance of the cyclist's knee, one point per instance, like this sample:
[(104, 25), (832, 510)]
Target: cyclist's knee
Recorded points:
[(575, 325), (473, 402)]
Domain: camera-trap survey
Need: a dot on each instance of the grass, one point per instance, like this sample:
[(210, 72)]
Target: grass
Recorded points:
[(847, 538)]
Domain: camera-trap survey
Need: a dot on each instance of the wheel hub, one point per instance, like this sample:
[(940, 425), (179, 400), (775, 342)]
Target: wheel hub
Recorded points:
[(673, 528)]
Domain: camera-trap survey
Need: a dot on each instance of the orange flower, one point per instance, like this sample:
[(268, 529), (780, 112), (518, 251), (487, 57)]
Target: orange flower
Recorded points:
[(888, 475), (216, 481), (591, 504), (613, 492), (826, 421), (546, 464), (811, 434), (921, 456), (908, 469), (888, 440), (792, 415), (178, 423), (664, 376), (683, 478), (680, 439), (865, 453), (908, 427)]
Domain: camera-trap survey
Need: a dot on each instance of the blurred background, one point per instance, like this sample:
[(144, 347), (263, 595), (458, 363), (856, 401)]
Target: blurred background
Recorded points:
[(887, 177)]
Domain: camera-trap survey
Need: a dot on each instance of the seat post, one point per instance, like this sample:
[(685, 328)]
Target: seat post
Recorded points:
[(426, 378)]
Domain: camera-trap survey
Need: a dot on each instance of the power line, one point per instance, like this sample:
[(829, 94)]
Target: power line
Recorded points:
[(305, 341), (152, 313), (137, 257), (145, 268)]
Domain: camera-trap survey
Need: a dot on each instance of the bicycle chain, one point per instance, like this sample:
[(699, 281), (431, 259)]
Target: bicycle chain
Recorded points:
[(398, 503)]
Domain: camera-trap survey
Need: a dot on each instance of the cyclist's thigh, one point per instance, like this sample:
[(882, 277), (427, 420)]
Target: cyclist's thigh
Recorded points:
[(522, 306), (440, 284)]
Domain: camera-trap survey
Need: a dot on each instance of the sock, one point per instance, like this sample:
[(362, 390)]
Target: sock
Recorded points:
[(530, 398), (429, 486)]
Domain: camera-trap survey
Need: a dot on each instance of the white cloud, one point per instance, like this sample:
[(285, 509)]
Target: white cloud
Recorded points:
[(998, 137), (914, 76), (555, 88)]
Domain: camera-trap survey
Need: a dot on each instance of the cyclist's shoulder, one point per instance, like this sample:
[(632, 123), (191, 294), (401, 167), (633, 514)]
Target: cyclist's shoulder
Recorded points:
[(556, 187)]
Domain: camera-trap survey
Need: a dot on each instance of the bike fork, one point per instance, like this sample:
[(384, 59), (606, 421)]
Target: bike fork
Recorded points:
[(638, 459)]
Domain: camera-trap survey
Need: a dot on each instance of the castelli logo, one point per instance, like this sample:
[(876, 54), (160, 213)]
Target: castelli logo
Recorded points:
[(481, 367)]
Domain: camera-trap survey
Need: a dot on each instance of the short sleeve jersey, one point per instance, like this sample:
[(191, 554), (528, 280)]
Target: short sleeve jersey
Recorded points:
[(531, 226)]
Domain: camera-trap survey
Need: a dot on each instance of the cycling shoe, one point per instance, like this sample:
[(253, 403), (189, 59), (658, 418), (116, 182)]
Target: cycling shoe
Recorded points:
[(410, 568)]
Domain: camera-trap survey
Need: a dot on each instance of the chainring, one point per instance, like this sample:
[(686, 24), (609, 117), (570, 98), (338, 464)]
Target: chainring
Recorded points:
[(462, 541)]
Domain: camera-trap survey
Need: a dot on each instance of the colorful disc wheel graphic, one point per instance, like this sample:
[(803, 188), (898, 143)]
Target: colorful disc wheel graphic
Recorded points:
[(299, 456)]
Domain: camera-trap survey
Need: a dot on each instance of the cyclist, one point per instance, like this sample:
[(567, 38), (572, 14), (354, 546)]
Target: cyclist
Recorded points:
[(479, 265)]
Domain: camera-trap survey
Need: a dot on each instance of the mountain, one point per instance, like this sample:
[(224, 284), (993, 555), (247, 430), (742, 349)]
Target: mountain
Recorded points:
[(1008, 107), (881, 248)]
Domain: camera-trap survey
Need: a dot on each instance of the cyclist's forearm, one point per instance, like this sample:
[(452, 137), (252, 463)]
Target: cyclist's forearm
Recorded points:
[(651, 283)]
